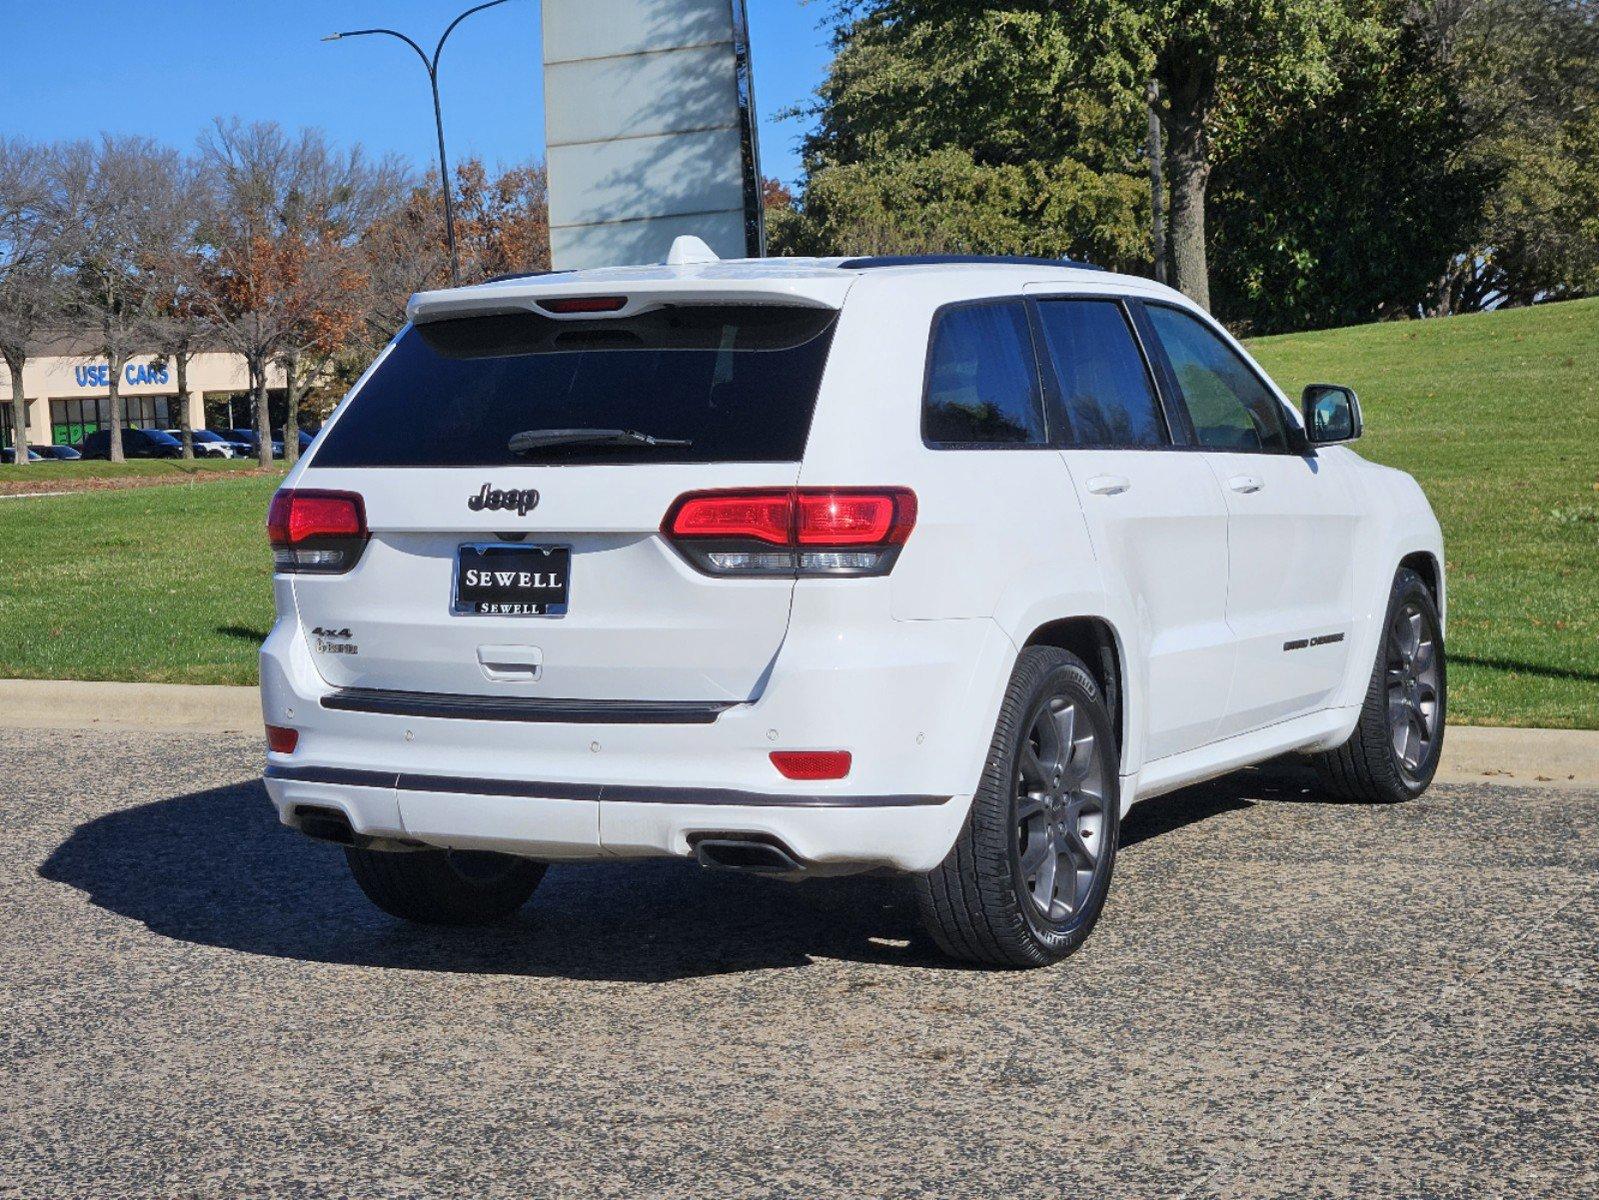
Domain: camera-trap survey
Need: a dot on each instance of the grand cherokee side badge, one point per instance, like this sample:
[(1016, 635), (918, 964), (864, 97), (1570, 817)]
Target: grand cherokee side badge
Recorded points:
[(495, 500)]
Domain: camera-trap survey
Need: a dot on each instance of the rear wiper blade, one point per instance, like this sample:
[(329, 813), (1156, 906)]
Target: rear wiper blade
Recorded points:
[(543, 439)]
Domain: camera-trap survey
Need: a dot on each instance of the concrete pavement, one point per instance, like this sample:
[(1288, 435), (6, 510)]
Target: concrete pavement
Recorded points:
[(1286, 998)]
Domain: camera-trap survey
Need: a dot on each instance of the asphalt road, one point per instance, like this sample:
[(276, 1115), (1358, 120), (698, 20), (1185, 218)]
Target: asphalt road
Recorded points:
[(1286, 997)]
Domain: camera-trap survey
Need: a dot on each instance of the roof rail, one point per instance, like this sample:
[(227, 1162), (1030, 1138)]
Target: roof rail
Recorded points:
[(939, 260)]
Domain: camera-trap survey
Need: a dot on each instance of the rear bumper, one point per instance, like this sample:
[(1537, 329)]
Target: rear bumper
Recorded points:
[(913, 701), (555, 821)]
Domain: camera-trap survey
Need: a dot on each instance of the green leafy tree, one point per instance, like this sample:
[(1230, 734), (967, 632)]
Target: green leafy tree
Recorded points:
[(1224, 63), (1346, 205), (977, 127), (1528, 71)]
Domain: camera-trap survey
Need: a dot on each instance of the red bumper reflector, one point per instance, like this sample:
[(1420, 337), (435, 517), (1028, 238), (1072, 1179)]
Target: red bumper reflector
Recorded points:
[(281, 740), (812, 764)]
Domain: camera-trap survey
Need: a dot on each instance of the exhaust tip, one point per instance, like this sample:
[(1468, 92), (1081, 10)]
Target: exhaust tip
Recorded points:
[(325, 825), (752, 855)]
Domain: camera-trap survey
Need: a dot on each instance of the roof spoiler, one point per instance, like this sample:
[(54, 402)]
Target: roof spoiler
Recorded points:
[(641, 289)]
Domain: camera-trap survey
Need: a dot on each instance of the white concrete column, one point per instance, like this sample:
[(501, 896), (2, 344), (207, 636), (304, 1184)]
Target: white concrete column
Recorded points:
[(196, 409), (39, 421), (649, 130)]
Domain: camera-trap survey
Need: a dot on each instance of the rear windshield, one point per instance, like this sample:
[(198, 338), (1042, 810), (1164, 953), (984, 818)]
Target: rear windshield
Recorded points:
[(736, 382)]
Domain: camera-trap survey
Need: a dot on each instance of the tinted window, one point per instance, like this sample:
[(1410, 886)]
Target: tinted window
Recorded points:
[(1104, 384), (1229, 405), (982, 379), (738, 382)]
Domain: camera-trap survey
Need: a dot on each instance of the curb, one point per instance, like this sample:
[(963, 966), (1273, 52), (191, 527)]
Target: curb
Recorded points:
[(1521, 757), (129, 707), (1472, 753)]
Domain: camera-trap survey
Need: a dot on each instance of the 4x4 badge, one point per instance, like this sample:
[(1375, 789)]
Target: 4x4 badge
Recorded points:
[(495, 500)]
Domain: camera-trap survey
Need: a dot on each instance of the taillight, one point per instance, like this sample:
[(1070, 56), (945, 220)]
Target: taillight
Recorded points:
[(811, 764), (314, 531), (281, 739), (792, 531)]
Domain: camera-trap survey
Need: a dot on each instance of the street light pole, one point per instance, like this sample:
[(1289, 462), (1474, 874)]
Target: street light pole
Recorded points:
[(432, 67)]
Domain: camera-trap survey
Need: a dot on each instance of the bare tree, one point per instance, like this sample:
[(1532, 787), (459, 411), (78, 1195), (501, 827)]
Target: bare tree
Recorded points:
[(345, 197), (502, 226), (282, 219), (121, 207), (30, 246), (179, 323)]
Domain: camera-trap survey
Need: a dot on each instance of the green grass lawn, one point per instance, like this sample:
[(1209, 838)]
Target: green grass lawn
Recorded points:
[(171, 584), (1497, 415)]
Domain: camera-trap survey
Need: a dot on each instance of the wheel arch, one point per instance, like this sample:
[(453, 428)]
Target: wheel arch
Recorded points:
[(1095, 641), (1426, 564)]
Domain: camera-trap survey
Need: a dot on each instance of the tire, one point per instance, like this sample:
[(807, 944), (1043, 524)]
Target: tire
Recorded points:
[(1393, 753), (444, 887), (1048, 801)]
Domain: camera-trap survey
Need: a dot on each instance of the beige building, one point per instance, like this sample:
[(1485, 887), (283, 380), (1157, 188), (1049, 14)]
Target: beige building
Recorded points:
[(66, 386)]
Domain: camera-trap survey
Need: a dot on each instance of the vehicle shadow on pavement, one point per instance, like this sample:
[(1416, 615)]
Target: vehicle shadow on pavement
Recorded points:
[(216, 868)]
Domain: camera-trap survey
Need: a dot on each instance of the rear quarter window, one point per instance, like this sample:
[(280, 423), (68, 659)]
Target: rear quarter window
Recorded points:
[(737, 382), (982, 379)]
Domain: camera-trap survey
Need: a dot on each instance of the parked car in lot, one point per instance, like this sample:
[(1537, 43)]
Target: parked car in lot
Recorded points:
[(8, 454), (59, 453), (206, 443), (803, 567), (136, 443), (307, 436), (247, 439)]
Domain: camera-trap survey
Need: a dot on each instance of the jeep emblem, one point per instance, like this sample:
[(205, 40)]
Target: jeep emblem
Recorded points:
[(495, 500)]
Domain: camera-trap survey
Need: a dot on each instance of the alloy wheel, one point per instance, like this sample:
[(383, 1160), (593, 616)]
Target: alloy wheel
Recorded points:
[(1060, 808), (1412, 678)]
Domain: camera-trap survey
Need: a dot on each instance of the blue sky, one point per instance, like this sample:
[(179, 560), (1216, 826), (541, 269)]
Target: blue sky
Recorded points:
[(71, 68)]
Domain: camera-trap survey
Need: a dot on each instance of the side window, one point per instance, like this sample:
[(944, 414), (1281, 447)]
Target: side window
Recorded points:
[(1229, 405), (982, 379), (1104, 383)]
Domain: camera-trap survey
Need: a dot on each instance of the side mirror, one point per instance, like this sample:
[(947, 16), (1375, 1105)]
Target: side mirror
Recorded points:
[(1332, 414)]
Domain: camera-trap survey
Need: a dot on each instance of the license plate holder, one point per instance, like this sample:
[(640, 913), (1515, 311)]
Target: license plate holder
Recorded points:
[(507, 579)]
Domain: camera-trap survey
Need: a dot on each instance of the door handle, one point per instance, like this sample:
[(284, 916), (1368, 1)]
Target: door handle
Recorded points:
[(507, 664), (1245, 484), (1108, 485)]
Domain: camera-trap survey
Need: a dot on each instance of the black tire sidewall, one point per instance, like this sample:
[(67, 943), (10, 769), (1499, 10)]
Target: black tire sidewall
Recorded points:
[(425, 887), (1409, 588), (1070, 678)]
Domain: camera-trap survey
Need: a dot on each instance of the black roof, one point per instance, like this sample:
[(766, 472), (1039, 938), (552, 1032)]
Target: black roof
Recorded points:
[(938, 260)]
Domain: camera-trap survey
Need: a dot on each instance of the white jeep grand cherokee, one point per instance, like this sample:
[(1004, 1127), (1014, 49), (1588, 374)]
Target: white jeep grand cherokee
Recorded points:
[(814, 566)]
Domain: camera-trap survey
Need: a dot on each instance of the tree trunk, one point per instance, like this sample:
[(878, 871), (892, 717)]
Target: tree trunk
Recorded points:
[(19, 412), (291, 420), (114, 402), (1189, 78), (185, 426), (1190, 176), (263, 415), (1155, 151)]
